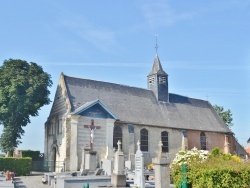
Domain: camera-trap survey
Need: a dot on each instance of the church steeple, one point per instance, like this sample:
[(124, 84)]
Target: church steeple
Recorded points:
[(158, 80)]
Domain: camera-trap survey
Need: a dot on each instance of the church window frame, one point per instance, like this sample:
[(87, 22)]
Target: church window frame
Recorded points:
[(203, 141), (117, 135), (144, 140), (164, 140)]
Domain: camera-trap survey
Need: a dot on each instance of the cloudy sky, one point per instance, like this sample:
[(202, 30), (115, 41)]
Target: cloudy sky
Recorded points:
[(204, 46)]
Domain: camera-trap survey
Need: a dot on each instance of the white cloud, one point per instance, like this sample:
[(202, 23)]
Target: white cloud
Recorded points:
[(160, 13), (101, 38)]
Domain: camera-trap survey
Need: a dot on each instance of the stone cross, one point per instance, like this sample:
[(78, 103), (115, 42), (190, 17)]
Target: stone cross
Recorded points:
[(160, 148), (92, 129)]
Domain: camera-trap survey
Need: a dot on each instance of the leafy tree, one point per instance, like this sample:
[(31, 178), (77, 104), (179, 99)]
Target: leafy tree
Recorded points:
[(226, 116), (23, 91)]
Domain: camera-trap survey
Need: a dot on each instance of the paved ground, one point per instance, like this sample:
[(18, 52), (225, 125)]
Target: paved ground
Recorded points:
[(4, 183), (32, 181)]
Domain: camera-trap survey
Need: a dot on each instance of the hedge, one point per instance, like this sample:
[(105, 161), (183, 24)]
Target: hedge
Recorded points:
[(21, 166), (33, 154)]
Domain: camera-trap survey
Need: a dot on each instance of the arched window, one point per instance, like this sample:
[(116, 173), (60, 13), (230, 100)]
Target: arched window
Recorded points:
[(164, 139), (144, 139), (117, 136), (203, 141)]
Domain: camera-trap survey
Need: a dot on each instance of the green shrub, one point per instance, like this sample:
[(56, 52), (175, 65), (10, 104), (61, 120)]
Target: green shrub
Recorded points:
[(33, 154), (21, 166), (218, 170)]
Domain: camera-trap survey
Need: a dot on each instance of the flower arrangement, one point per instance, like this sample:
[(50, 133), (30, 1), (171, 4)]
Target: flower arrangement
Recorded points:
[(150, 167)]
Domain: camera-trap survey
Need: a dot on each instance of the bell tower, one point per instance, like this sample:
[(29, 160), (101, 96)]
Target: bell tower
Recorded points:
[(158, 80)]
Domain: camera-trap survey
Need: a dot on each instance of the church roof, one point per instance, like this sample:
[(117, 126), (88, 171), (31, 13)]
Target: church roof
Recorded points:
[(157, 68), (140, 106)]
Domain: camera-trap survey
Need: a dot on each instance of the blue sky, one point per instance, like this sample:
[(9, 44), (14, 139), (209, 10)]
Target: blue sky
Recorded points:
[(204, 46)]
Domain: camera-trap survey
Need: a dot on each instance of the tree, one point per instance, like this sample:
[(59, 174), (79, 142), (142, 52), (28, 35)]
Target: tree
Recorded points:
[(23, 91), (226, 116)]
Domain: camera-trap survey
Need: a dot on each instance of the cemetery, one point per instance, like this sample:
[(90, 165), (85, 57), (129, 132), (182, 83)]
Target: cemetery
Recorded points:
[(190, 168)]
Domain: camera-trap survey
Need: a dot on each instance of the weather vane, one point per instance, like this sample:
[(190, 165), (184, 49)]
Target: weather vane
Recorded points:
[(156, 45)]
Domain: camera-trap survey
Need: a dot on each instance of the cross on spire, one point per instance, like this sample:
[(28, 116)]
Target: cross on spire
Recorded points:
[(156, 45)]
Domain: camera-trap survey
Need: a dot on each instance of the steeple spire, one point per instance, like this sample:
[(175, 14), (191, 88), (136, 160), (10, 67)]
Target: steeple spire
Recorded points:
[(158, 79), (157, 68)]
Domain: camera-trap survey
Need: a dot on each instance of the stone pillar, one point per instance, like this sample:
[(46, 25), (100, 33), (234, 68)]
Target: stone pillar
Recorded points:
[(67, 132), (162, 170), (184, 144), (109, 138), (73, 143), (226, 145), (85, 151), (131, 145), (118, 178), (90, 160), (139, 179)]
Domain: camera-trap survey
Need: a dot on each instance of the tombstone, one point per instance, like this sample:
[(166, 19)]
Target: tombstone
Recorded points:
[(128, 165), (109, 153), (184, 145), (107, 163), (162, 170), (107, 166), (118, 178), (85, 151), (90, 161), (139, 179)]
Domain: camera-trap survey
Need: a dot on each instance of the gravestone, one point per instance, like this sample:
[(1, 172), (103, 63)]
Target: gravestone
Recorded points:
[(162, 170), (139, 180), (118, 178), (85, 151), (128, 163), (107, 163), (107, 166)]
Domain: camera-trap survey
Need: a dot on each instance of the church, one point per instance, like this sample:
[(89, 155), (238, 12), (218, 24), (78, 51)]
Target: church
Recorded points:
[(98, 114)]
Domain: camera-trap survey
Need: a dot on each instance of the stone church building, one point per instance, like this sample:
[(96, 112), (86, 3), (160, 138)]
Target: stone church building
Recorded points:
[(98, 114)]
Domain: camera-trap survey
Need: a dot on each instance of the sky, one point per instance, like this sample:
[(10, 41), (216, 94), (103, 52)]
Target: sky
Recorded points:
[(204, 46)]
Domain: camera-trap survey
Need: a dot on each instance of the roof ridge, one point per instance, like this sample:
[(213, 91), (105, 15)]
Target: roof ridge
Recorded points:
[(106, 82)]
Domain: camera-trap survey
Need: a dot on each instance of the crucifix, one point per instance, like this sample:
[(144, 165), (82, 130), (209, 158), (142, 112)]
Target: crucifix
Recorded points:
[(92, 129)]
